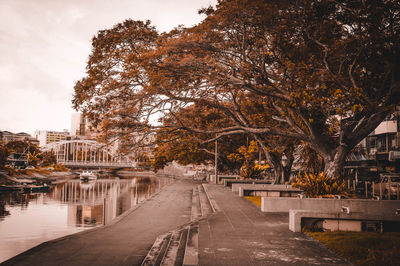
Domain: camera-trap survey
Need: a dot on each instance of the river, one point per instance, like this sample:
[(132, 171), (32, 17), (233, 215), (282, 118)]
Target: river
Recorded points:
[(28, 219)]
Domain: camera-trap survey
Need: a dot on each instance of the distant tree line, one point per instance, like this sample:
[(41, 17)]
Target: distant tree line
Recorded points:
[(32, 153)]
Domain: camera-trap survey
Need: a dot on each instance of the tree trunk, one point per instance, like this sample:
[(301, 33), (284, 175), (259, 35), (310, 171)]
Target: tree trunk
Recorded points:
[(278, 173), (334, 162), (282, 173)]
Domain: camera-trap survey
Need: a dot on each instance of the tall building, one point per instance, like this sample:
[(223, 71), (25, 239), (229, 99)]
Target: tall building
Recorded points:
[(45, 137), (82, 128)]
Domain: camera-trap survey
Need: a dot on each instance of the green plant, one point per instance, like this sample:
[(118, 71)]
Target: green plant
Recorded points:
[(320, 185), (363, 248), (60, 168)]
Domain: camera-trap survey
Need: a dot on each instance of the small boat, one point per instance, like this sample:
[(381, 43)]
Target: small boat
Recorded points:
[(87, 176)]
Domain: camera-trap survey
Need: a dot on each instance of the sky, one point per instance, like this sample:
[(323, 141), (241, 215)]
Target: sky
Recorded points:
[(45, 45)]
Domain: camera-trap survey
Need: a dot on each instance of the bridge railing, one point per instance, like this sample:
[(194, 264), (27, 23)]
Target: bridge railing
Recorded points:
[(98, 164)]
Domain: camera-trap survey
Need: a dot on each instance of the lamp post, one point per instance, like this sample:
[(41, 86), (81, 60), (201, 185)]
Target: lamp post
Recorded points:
[(216, 161), (284, 161)]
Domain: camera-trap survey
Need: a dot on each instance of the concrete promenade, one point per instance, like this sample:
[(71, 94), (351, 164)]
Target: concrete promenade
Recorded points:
[(238, 233)]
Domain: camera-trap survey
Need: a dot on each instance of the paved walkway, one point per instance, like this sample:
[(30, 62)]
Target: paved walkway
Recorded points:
[(124, 243), (240, 234)]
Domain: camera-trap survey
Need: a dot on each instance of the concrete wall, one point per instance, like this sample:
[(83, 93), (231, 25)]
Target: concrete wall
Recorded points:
[(229, 177), (229, 182), (235, 187), (338, 221), (366, 206)]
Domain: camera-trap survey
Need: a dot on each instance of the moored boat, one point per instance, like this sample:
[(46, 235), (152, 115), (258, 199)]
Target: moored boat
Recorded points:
[(87, 176)]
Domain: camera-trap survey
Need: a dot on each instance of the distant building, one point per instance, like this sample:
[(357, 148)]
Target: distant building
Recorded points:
[(45, 137), (7, 136), (386, 137), (82, 128), (379, 152)]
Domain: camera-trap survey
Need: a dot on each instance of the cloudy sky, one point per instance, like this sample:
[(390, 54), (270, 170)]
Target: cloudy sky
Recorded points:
[(45, 44)]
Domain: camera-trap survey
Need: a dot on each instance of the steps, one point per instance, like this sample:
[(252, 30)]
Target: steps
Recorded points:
[(180, 246)]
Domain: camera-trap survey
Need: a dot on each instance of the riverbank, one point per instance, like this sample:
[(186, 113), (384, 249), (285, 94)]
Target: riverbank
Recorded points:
[(37, 176), (46, 175)]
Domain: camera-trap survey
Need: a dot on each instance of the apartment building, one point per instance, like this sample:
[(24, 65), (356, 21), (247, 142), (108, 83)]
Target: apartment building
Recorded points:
[(379, 152), (7, 136), (45, 137)]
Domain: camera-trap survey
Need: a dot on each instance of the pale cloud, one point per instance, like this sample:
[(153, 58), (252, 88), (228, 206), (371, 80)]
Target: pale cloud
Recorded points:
[(44, 46)]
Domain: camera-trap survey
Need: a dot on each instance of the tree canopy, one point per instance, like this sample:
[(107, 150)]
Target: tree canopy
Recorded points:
[(324, 73)]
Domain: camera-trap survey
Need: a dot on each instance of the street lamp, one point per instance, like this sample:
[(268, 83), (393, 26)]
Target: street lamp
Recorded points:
[(284, 161), (216, 161)]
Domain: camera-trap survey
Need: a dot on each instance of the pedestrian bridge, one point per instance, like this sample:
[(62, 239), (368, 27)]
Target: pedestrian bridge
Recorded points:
[(88, 154)]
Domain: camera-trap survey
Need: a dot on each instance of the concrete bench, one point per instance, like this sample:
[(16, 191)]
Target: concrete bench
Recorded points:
[(367, 206), (221, 178), (236, 186), (266, 190), (229, 182), (341, 220)]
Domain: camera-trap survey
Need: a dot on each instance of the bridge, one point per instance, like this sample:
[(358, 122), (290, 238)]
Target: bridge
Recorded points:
[(87, 154)]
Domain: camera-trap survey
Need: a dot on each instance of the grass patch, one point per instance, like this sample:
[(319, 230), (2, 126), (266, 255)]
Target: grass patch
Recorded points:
[(363, 248), (256, 200)]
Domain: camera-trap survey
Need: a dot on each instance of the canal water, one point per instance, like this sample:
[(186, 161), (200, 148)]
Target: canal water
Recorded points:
[(28, 219)]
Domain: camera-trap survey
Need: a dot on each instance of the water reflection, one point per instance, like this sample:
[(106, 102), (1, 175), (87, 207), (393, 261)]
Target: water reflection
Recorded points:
[(99, 202), (29, 219)]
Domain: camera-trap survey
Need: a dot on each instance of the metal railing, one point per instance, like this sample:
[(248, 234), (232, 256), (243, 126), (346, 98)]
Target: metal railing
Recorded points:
[(96, 164)]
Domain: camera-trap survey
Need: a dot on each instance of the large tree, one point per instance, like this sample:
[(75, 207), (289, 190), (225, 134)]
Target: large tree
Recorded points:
[(111, 93), (327, 72), (331, 68)]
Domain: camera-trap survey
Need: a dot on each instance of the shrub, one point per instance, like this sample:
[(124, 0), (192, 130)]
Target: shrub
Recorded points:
[(254, 171), (316, 186), (60, 168)]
